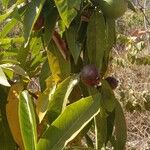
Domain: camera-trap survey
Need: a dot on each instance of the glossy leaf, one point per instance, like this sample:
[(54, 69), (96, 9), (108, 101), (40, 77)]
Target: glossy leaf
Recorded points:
[(69, 124), (59, 100), (31, 15), (12, 113), (67, 10), (74, 47), (27, 121), (16, 69), (120, 127), (3, 79), (96, 39)]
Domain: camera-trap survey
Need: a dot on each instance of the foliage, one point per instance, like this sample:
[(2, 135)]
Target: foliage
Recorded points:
[(72, 35)]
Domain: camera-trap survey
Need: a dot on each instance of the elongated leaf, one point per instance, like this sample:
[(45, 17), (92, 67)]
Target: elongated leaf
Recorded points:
[(8, 27), (110, 125), (31, 15), (27, 121), (111, 39), (3, 79), (69, 124), (6, 139), (108, 98), (120, 127), (74, 47), (60, 68), (96, 39), (67, 10), (60, 98), (101, 128), (44, 99), (16, 69), (50, 22), (12, 113)]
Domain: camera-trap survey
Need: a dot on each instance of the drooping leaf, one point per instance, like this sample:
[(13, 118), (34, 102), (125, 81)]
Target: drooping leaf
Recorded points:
[(27, 121), (96, 39), (67, 10), (12, 113), (108, 101), (69, 124), (59, 100), (74, 47), (120, 127), (31, 15), (3, 79)]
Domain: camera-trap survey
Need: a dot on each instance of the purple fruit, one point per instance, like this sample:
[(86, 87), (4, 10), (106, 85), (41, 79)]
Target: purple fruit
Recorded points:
[(90, 75), (113, 82)]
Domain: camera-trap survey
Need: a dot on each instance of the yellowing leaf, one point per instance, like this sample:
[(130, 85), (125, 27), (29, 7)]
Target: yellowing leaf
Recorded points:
[(12, 113)]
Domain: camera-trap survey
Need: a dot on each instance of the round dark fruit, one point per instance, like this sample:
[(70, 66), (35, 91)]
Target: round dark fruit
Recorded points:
[(113, 82), (39, 23), (90, 75)]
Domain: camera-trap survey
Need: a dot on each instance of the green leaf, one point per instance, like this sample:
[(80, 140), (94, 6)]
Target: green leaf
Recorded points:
[(8, 27), (31, 15), (45, 73), (120, 127), (3, 79), (16, 69), (50, 22), (96, 39), (74, 47), (67, 10), (101, 128), (59, 100), (110, 124), (69, 123), (111, 39), (27, 121), (44, 98), (108, 101)]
